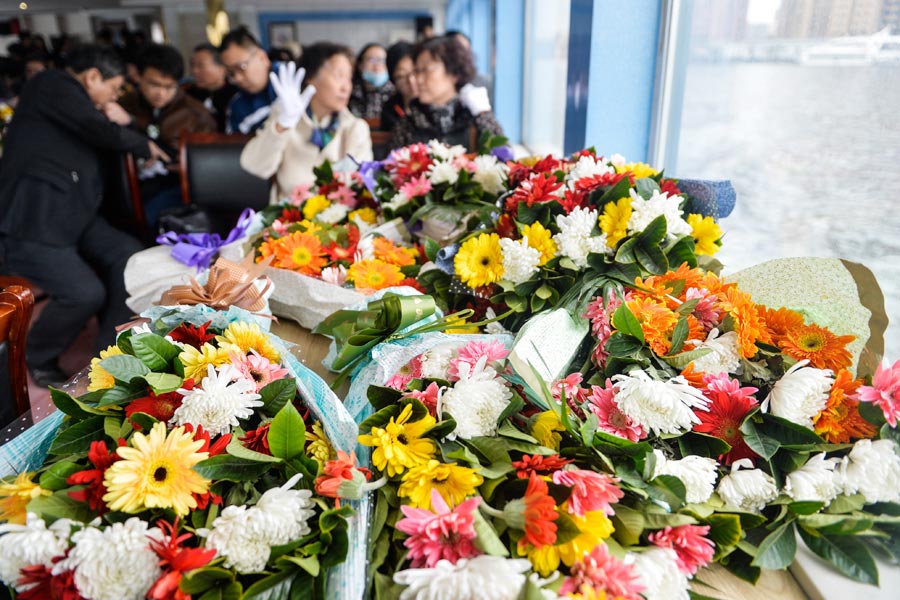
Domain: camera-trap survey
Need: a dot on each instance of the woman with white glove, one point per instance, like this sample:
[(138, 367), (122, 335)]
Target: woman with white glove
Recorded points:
[(309, 122), (449, 107)]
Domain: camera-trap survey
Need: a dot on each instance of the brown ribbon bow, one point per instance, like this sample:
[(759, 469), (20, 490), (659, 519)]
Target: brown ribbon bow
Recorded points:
[(229, 284)]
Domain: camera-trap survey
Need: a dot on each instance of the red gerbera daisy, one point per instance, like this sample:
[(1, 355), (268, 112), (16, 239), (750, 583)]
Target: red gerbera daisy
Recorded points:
[(175, 561), (537, 189), (589, 184), (291, 214), (542, 465), (402, 169), (413, 283), (192, 336), (93, 494), (539, 514), (519, 171), (44, 584), (204, 499), (730, 404), (669, 186), (159, 406)]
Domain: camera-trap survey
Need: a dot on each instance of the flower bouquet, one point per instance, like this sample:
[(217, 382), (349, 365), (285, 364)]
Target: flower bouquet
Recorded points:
[(188, 469)]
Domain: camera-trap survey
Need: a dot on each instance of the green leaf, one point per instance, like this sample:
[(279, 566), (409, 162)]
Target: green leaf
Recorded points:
[(154, 351), (275, 395), (837, 524), (124, 367), (162, 383), (668, 489), (846, 553), (78, 437), (287, 433), (201, 580), (683, 359), (273, 587), (122, 394), (777, 550), (760, 443), (487, 539), (738, 563), (54, 478), (61, 505), (625, 321), (310, 564), (806, 507), (236, 448), (787, 432), (566, 529), (142, 421), (431, 249), (629, 525), (702, 444), (231, 468), (619, 344), (70, 405), (726, 531), (679, 335)]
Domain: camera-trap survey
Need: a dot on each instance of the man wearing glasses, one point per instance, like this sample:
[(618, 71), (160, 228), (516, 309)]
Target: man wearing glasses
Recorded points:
[(248, 67)]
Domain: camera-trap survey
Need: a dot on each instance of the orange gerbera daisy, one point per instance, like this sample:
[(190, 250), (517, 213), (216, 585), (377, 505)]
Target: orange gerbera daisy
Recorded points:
[(820, 346), (780, 321), (300, 252), (680, 279), (396, 255), (694, 378), (841, 421), (539, 514), (748, 323), (657, 322), (374, 274)]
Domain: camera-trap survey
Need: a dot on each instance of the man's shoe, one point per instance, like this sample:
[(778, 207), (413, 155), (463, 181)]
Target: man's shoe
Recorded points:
[(50, 375)]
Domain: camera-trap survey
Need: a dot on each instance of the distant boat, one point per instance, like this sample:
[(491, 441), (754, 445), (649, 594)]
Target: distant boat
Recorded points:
[(858, 50)]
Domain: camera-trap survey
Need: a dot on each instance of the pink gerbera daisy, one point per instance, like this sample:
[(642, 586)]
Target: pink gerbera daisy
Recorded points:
[(690, 543), (258, 368), (884, 392), (602, 402), (604, 572), (301, 194), (574, 393), (473, 351), (441, 535), (429, 397), (590, 491), (343, 195), (415, 187), (406, 373)]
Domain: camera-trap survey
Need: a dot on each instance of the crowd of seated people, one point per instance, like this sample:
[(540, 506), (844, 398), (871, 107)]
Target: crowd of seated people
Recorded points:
[(77, 106)]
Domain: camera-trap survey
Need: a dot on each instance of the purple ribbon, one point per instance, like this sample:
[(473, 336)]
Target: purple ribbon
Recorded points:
[(503, 153), (198, 249), (367, 169)]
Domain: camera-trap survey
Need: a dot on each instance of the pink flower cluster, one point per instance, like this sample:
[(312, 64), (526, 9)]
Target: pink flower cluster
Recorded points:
[(444, 534), (690, 543), (601, 571), (884, 392)]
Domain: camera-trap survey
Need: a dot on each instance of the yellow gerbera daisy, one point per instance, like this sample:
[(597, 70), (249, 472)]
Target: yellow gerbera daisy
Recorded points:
[(614, 220), (374, 274), (315, 205), (14, 498), (195, 361), (639, 170), (546, 428), (479, 261), (453, 482), (399, 445), (706, 232), (366, 215), (157, 472), (319, 448), (540, 238), (100, 377), (594, 526), (243, 337)]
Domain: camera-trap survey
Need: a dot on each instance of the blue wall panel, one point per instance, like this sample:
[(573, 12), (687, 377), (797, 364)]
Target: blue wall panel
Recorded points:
[(509, 76)]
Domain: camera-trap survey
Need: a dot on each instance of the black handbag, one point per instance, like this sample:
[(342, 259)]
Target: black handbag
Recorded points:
[(185, 219)]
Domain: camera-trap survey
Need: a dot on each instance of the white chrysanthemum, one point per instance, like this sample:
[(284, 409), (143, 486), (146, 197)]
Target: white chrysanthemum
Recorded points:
[(490, 173), (659, 574), (644, 211), (661, 406), (30, 544), (334, 275), (231, 537), (617, 160), (115, 563), (814, 481), (520, 261), (397, 200), (222, 399), (284, 512), (749, 490), (872, 469), (476, 401), (724, 357), (587, 166), (436, 361), (365, 249), (697, 473), (481, 578), (800, 394), (442, 151), (494, 328), (442, 172), (575, 238), (333, 214)]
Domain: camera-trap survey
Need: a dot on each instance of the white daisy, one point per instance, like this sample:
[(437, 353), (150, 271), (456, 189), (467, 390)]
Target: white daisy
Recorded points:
[(481, 578), (660, 575), (490, 173), (575, 239), (587, 166), (645, 211), (223, 398), (749, 489), (724, 355), (30, 544), (333, 214), (800, 394), (442, 172), (520, 261), (397, 200), (872, 469), (442, 151), (476, 401), (617, 160), (697, 473), (813, 481), (662, 407)]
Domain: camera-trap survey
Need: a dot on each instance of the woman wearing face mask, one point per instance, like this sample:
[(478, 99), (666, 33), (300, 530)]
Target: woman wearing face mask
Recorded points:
[(309, 122), (403, 75), (371, 82), (448, 106)]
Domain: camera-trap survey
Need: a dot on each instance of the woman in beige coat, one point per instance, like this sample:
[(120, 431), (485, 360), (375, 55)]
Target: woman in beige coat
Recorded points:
[(309, 126)]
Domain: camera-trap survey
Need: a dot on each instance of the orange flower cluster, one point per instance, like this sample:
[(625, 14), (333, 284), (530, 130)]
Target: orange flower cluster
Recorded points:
[(383, 270), (820, 346), (299, 251)]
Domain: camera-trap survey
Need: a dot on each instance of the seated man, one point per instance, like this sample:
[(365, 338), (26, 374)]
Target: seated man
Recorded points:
[(211, 86), (248, 67), (50, 186), (163, 112)]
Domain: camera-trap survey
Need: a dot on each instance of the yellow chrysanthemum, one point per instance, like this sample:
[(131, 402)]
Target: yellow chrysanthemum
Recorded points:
[(639, 170), (156, 471), (14, 498), (319, 448), (546, 428), (195, 361), (479, 261), (453, 482), (100, 377), (614, 220), (315, 205), (399, 445), (706, 232), (374, 274), (540, 238), (243, 337), (309, 226), (366, 215)]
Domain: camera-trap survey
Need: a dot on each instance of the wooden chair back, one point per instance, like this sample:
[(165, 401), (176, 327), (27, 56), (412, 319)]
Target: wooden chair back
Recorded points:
[(16, 307)]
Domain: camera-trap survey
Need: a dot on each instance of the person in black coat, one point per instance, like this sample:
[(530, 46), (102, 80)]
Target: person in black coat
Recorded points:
[(50, 191)]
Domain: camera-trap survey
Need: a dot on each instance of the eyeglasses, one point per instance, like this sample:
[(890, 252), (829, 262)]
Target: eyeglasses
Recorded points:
[(375, 61), (426, 70), (241, 67), (170, 88)]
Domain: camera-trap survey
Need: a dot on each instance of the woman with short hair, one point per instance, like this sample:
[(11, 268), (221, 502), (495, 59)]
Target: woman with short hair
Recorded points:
[(372, 86)]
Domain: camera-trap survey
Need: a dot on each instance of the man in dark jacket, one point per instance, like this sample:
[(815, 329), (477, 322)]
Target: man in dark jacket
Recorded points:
[(50, 190)]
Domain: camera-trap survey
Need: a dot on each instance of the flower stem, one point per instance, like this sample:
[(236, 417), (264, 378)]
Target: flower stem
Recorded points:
[(490, 510), (374, 485)]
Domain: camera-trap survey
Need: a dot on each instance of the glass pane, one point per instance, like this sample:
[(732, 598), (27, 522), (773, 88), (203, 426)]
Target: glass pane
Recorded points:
[(796, 103), (546, 65)]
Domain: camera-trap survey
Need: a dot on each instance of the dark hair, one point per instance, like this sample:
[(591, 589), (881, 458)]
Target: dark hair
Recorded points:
[(316, 55), (447, 49), (281, 55), (165, 59), (207, 47), (240, 36), (358, 63), (92, 56), (35, 55), (395, 54)]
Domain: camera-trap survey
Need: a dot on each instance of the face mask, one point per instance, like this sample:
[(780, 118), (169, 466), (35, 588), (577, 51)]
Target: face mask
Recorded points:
[(376, 79)]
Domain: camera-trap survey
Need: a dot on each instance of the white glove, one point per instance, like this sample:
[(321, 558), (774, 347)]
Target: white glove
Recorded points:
[(152, 170), (475, 99), (291, 102)]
